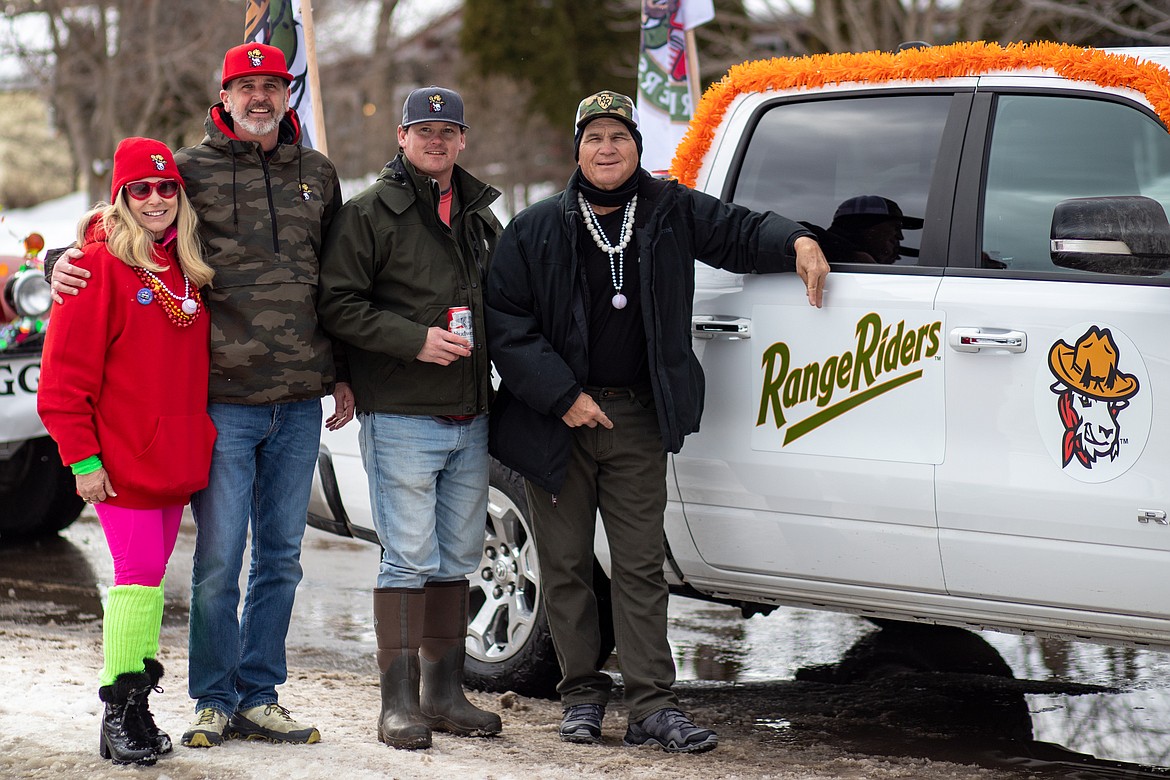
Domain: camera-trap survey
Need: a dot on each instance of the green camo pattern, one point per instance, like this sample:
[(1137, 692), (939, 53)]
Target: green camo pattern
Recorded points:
[(606, 103), (263, 222)]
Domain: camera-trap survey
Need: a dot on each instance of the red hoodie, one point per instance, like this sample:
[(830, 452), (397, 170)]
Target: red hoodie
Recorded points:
[(120, 380)]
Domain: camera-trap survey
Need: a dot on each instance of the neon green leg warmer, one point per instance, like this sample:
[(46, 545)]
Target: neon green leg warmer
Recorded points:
[(130, 629), (150, 649)]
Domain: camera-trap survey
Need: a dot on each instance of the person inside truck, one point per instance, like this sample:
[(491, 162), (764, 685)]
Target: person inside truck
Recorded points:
[(866, 229)]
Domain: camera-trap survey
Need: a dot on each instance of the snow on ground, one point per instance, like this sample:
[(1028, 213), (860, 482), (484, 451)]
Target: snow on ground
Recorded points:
[(50, 711), (55, 219), (50, 657)]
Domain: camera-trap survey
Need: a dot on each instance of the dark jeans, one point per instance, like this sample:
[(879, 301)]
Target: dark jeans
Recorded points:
[(622, 472), (261, 475)]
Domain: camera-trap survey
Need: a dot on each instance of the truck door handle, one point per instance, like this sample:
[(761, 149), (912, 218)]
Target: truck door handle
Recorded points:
[(991, 339), (709, 326)]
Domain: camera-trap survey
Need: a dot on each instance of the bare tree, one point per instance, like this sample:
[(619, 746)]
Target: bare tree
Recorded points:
[(113, 68), (1108, 21), (517, 149), (116, 68), (866, 25)]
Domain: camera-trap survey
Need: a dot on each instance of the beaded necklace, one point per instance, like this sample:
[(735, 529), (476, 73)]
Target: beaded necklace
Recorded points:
[(617, 273), (182, 310)]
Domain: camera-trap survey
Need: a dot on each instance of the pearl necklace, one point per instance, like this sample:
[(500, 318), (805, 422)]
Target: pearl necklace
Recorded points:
[(182, 314), (617, 274)]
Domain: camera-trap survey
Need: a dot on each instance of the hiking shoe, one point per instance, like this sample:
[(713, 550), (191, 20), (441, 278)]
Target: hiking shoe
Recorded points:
[(673, 731), (273, 723), (207, 730), (582, 724)]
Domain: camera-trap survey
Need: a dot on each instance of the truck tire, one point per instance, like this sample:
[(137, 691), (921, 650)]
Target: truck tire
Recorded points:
[(509, 647), (38, 495)]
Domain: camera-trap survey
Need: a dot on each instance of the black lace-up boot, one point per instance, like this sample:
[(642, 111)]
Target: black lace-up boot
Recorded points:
[(673, 731), (159, 738), (123, 739)]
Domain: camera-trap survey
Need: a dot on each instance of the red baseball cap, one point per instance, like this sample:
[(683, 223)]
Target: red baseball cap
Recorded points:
[(254, 59)]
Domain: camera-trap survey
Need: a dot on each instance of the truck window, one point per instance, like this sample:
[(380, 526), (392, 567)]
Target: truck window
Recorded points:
[(1046, 149), (855, 170)]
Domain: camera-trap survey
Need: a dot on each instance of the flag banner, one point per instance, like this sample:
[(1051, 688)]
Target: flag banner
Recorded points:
[(278, 23), (666, 91)]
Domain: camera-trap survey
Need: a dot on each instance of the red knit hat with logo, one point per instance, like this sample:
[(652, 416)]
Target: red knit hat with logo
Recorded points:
[(254, 59), (142, 158)]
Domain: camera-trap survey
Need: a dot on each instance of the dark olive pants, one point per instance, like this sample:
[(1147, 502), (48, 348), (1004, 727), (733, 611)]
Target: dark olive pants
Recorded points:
[(622, 472)]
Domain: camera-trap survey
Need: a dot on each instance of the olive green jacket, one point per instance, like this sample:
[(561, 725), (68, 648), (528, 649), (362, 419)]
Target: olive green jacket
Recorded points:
[(390, 269)]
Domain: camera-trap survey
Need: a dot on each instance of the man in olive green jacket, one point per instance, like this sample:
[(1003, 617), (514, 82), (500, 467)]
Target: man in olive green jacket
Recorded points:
[(402, 257)]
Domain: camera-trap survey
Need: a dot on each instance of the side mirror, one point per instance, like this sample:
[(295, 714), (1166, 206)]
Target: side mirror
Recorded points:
[(1123, 234)]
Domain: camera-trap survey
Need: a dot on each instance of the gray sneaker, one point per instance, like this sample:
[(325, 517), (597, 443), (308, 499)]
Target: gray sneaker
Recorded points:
[(582, 724), (207, 730), (273, 723), (673, 731)]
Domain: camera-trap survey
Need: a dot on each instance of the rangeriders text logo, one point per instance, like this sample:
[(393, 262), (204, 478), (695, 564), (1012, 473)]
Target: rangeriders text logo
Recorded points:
[(873, 367)]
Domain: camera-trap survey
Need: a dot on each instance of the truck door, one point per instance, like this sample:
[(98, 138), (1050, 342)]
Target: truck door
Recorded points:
[(822, 428), (1053, 486)]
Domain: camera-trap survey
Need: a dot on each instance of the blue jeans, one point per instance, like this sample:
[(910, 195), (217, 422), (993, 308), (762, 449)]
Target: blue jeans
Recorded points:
[(428, 492), (261, 475)]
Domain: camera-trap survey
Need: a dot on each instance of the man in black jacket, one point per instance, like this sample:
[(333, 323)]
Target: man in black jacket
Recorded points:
[(588, 323)]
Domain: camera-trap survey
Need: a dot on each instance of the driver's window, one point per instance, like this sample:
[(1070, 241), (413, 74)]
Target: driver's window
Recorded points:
[(855, 170)]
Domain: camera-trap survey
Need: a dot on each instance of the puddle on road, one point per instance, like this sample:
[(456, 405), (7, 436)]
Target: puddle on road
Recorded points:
[(49, 581), (1044, 706), (62, 580)]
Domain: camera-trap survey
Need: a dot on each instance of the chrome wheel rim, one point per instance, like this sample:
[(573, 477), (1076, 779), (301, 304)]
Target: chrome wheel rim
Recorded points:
[(505, 588)]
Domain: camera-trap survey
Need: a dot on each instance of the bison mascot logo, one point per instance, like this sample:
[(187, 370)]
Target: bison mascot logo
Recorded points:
[(1092, 391)]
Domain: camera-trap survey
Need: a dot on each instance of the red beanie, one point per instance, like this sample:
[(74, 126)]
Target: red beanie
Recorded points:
[(254, 59), (142, 158)]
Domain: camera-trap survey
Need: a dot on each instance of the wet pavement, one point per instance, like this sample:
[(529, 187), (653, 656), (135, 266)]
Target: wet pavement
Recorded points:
[(1048, 708)]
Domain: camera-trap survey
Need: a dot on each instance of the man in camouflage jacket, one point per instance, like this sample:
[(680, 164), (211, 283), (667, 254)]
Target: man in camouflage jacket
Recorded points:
[(264, 203)]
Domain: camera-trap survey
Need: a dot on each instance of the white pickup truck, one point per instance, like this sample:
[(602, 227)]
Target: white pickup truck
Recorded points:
[(968, 432)]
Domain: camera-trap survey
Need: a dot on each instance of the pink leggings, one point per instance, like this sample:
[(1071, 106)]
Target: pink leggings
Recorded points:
[(141, 541)]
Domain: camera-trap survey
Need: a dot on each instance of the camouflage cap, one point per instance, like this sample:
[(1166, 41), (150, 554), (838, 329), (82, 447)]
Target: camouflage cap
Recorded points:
[(606, 103)]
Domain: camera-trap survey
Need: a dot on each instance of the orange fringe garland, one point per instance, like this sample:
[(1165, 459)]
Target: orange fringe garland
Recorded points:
[(958, 59)]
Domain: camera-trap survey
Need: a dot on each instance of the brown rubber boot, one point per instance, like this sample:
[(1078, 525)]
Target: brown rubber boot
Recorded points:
[(442, 655), (398, 624)]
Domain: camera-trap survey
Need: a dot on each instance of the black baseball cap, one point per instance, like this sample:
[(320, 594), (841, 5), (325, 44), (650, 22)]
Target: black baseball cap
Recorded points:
[(433, 104), (876, 206)]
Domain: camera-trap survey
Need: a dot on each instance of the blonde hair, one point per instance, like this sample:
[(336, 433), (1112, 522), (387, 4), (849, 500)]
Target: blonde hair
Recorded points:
[(134, 245)]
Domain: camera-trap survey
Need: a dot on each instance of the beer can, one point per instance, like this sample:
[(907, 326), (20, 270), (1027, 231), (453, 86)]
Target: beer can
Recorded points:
[(459, 323)]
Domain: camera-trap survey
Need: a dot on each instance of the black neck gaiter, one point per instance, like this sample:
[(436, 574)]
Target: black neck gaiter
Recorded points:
[(598, 197)]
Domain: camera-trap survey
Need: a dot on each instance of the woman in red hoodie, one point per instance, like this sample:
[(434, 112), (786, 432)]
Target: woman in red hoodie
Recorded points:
[(123, 391)]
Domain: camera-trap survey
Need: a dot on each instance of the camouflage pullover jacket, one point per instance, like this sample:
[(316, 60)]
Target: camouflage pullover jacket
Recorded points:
[(262, 218)]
